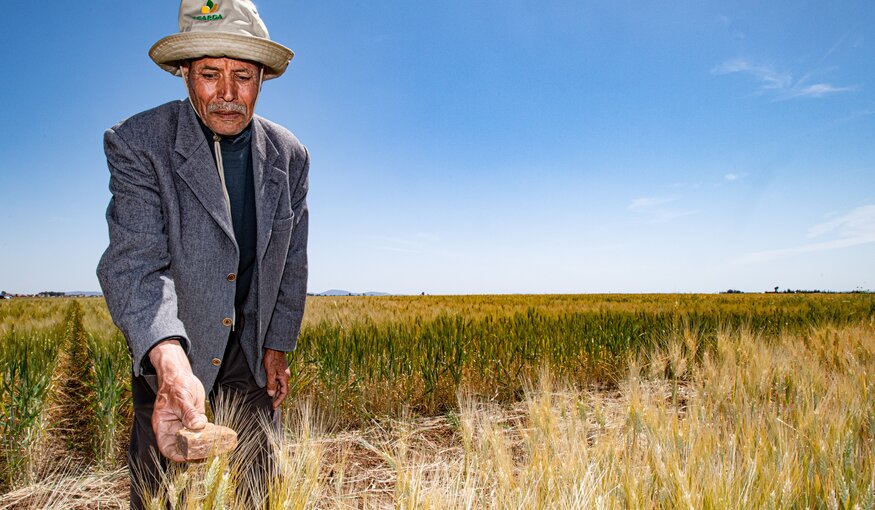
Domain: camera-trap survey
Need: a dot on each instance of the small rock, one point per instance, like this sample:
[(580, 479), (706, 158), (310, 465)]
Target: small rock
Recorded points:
[(210, 441)]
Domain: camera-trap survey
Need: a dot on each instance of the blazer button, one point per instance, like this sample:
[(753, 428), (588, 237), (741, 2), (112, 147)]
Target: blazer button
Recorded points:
[(232, 277), (227, 321), (216, 362)]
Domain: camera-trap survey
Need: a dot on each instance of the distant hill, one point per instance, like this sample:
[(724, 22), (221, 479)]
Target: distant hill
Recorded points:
[(334, 292), (341, 292)]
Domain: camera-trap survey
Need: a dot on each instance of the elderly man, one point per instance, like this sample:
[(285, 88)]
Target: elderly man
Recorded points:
[(206, 269)]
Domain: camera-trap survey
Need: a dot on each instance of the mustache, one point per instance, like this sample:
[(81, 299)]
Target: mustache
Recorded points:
[(225, 106)]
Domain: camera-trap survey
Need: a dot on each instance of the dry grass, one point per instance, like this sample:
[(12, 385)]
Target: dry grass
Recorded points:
[(62, 490), (786, 423), (739, 421)]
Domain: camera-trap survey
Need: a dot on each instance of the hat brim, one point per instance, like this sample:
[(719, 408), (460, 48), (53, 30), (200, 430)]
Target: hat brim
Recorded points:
[(171, 51)]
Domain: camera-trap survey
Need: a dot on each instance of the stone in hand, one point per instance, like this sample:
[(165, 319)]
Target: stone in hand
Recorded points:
[(209, 441)]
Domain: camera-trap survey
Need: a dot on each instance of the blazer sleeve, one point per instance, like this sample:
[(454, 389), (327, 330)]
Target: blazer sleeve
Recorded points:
[(285, 323), (134, 271)]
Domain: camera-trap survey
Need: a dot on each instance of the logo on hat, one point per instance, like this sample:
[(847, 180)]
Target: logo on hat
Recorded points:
[(207, 11), (209, 7)]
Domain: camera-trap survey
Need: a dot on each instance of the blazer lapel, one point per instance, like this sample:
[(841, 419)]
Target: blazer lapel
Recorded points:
[(268, 184), (198, 169)]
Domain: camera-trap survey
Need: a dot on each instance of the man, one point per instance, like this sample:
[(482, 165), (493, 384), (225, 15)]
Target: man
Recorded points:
[(206, 269)]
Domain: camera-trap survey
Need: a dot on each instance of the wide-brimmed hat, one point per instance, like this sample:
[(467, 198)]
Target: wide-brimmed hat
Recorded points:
[(220, 28)]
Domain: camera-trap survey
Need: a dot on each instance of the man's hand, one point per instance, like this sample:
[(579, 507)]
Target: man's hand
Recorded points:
[(278, 375), (180, 399)]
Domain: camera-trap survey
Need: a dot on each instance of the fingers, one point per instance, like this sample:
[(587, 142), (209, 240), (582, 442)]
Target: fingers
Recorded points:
[(276, 368), (271, 382), (282, 388), (166, 425)]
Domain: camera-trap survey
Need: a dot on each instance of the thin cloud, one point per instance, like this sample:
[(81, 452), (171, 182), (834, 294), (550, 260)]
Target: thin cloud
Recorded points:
[(834, 47), (780, 85), (737, 28), (855, 115), (769, 78), (730, 177), (767, 255), (858, 223), (852, 229), (816, 90)]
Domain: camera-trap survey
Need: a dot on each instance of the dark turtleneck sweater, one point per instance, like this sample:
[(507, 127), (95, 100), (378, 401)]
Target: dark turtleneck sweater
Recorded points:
[(237, 162)]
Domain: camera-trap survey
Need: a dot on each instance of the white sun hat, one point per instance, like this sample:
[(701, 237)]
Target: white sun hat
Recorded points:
[(220, 28)]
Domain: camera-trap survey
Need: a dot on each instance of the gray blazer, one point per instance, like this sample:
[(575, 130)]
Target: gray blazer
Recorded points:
[(168, 269)]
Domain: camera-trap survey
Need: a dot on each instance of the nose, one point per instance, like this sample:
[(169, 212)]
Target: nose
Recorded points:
[(227, 89)]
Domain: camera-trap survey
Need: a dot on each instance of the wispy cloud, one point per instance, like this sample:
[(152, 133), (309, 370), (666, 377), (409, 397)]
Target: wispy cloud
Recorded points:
[(834, 47), (769, 78), (858, 223), (780, 85), (816, 90), (737, 28), (855, 115), (730, 177), (852, 229)]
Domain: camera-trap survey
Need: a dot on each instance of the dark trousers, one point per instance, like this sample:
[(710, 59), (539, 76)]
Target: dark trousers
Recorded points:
[(252, 411)]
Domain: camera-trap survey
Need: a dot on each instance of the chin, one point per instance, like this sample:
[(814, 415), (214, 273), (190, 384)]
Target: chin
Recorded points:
[(226, 130)]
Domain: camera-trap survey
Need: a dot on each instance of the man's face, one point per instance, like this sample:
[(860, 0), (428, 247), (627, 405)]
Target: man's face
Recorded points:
[(223, 91)]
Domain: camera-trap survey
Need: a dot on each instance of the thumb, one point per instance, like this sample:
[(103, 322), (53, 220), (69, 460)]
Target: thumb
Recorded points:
[(271, 386), (192, 419)]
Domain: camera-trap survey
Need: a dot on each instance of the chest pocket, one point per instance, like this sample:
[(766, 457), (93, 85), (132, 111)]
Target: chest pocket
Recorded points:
[(283, 224)]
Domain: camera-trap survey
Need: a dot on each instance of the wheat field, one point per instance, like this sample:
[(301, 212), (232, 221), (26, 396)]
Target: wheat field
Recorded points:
[(595, 401)]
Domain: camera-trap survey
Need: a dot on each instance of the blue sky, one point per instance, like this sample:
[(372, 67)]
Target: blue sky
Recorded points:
[(491, 146)]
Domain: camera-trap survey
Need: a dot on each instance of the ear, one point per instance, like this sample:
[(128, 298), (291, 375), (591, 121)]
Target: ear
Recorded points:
[(185, 67)]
